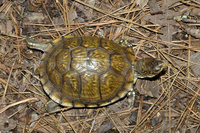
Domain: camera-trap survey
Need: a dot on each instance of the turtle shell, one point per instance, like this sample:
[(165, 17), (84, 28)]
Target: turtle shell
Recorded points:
[(86, 71)]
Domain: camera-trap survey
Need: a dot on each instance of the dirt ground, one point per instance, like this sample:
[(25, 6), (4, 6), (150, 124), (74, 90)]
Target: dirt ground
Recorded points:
[(164, 29)]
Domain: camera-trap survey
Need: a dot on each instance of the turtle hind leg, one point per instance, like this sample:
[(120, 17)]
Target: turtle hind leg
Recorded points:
[(31, 43), (52, 106)]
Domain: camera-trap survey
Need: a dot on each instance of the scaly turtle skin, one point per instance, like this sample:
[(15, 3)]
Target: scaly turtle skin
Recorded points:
[(90, 71)]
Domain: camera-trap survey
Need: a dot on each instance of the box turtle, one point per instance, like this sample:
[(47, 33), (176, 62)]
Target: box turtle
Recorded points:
[(90, 71)]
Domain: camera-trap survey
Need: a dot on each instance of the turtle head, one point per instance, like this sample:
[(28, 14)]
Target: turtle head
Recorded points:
[(148, 67)]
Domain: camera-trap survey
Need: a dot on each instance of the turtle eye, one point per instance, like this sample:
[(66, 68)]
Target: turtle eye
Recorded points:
[(157, 69)]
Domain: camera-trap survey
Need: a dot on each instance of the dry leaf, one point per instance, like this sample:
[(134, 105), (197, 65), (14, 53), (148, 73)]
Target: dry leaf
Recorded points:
[(148, 87), (72, 16), (155, 7), (195, 12), (7, 124), (195, 68), (141, 3), (193, 32), (36, 17)]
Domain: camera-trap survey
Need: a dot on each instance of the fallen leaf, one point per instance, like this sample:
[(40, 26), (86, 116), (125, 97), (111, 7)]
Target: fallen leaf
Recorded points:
[(148, 87), (7, 124), (141, 3)]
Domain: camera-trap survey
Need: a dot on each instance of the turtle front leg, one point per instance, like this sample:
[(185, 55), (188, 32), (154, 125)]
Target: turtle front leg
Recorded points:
[(131, 98)]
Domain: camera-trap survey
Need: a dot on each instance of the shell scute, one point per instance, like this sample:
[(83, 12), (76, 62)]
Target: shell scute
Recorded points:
[(98, 60), (111, 46), (55, 78), (90, 87), (90, 42), (71, 85), (79, 59), (69, 43), (119, 63), (50, 65), (110, 84), (130, 75), (62, 60)]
